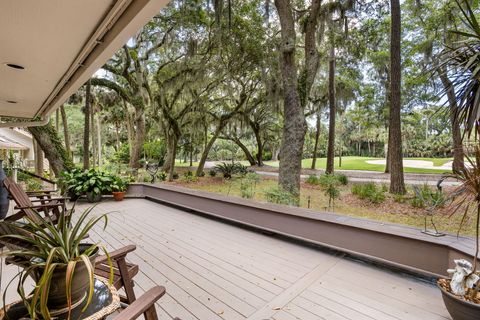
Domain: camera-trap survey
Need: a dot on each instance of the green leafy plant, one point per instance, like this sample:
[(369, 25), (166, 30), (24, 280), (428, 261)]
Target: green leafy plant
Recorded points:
[(162, 176), (249, 184), (330, 184), (46, 249), (343, 179), (228, 169), (279, 196), (189, 176), (212, 173), (34, 185), (119, 184), (369, 191), (312, 179)]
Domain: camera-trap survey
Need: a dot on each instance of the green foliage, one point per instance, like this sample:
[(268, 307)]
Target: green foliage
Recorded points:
[(279, 196), (162, 176), (249, 184), (343, 179), (123, 154), (119, 184), (228, 169), (34, 185), (78, 182), (426, 197), (52, 248), (212, 173), (154, 150), (330, 184), (369, 191), (189, 176), (312, 179)]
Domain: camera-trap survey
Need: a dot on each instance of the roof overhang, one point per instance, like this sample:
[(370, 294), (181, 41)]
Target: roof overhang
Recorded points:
[(61, 44)]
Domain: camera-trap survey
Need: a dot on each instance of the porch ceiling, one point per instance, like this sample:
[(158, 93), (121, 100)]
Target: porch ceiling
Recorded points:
[(60, 44)]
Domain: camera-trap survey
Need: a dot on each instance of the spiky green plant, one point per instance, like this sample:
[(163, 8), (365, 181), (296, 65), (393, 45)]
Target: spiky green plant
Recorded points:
[(44, 248), (467, 196), (461, 61)]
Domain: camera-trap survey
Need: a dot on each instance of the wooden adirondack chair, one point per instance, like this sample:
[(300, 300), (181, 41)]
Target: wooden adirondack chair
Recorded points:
[(51, 207), (144, 305), (123, 272)]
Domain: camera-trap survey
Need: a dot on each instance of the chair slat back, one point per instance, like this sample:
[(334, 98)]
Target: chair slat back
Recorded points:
[(21, 198)]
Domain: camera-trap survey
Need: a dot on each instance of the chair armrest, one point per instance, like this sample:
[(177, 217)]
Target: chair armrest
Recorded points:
[(59, 199), (15, 216), (142, 304), (40, 206), (116, 254), (40, 191)]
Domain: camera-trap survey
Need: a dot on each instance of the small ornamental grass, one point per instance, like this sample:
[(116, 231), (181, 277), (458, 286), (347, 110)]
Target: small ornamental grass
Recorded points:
[(46, 248)]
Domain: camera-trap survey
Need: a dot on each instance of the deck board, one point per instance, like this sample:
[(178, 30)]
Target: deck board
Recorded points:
[(215, 271)]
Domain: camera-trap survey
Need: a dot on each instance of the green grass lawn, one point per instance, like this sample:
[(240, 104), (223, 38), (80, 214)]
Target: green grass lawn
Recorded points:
[(359, 163), (349, 163)]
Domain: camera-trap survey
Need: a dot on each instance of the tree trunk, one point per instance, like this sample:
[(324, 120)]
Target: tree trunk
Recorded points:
[(191, 153), (38, 153), (99, 141), (52, 146), (171, 160), (92, 137), (458, 161), (66, 134), (332, 113), (86, 129), (208, 146), (245, 150), (117, 136), (139, 138), (129, 125), (295, 126), (258, 138), (57, 120), (397, 183), (315, 147)]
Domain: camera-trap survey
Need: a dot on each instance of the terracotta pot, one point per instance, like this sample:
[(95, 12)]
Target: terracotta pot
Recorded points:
[(118, 195), (57, 298), (460, 309)]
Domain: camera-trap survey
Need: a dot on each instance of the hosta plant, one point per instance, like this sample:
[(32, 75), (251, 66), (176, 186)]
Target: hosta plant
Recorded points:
[(50, 253)]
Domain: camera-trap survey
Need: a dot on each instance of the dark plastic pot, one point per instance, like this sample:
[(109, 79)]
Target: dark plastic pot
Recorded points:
[(94, 197), (118, 195), (57, 298), (460, 309)]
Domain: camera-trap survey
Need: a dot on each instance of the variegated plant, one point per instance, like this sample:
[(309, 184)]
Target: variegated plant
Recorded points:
[(48, 247)]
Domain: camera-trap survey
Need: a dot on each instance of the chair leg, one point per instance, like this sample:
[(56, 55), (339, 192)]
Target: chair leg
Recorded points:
[(151, 313), (127, 281)]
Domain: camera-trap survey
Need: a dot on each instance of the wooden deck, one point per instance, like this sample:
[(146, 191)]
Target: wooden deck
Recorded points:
[(216, 271)]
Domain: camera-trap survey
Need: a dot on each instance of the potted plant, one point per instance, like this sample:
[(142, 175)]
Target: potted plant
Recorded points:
[(95, 183), (57, 259), (71, 183), (461, 63), (119, 186), (461, 293)]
